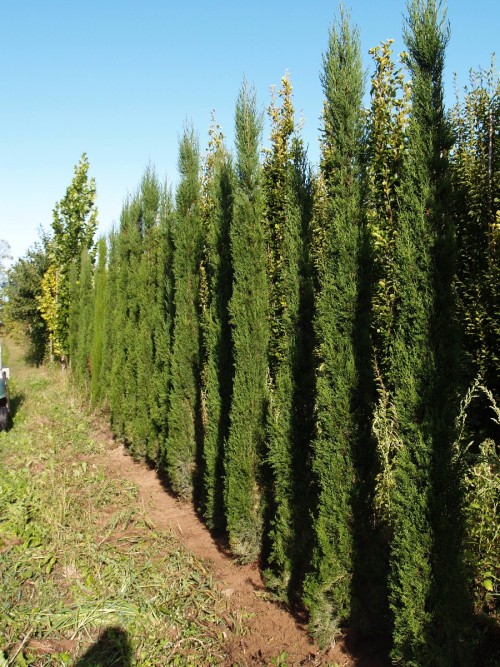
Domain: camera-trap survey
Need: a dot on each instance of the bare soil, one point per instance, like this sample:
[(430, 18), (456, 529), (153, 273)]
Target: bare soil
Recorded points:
[(273, 634)]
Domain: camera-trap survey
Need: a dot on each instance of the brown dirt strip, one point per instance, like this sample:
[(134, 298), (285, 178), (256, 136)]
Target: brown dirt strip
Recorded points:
[(270, 629)]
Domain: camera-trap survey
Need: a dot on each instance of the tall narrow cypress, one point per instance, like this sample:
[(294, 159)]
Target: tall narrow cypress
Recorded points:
[(414, 344), (283, 214), (184, 434), (110, 331), (216, 289), (162, 325), (426, 37), (336, 229), (249, 319), (121, 408), (398, 294), (128, 373), (146, 288), (73, 303), (81, 363), (98, 349)]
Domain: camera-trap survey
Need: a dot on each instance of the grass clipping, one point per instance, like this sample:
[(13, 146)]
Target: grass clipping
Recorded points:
[(84, 574)]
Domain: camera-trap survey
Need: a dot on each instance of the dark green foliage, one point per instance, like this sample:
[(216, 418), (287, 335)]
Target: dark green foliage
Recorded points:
[(336, 229), (144, 437), (284, 220), (124, 321), (81, 361), (138, 320), (99, 325), (109, 329), (162, 325), (130, 334), (215, 294), (73, 309), (249, 320), (430, 140), (184, 428)]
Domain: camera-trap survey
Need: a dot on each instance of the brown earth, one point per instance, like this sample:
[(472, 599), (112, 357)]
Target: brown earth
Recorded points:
[(273, 635)]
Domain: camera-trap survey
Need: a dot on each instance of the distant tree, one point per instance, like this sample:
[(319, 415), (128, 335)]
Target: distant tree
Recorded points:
[(5, 256), (24, 290), (249, 319)]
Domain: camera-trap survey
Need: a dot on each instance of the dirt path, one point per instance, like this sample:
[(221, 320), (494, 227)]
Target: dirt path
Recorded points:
[(271, 631)]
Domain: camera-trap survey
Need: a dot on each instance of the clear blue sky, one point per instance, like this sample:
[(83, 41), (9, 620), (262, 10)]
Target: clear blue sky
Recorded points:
[(118, 78)]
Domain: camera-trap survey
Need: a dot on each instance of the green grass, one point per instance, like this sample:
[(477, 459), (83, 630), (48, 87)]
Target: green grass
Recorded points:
[(84, 574)]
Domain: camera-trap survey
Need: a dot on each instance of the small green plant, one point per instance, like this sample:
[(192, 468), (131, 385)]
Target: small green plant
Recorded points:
[(280, 660)]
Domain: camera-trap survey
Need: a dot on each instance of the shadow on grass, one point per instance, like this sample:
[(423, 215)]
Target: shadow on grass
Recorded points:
[(112, 649), (15, 403)]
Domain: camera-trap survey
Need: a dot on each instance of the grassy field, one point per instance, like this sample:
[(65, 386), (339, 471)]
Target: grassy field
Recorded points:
[(86, 579)]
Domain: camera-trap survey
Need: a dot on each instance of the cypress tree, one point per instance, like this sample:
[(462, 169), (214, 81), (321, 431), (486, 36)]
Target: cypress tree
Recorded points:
[(399, 351), (215, 290), (162, 325), (130, 335), (149, 196), (122, 385), (284, 223), (73, 303), (81, 362), (109, 333), (98, 349), (336, 228), (249, 319), (414, 345), (184, 402), (426, 38)]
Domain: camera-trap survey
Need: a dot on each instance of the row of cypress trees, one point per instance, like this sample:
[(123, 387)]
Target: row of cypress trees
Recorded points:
[(284, 348)]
